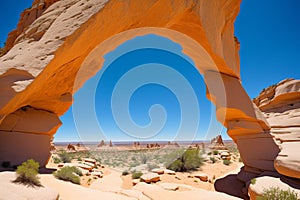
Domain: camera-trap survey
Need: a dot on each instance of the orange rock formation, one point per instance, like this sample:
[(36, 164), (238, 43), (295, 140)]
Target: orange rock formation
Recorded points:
[(45, 66)]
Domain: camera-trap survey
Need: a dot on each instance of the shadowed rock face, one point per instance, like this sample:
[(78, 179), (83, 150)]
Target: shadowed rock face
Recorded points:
[(40, 71)]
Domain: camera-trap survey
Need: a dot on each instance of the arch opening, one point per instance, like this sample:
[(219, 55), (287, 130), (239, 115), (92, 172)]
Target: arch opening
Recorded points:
[(141, 63)]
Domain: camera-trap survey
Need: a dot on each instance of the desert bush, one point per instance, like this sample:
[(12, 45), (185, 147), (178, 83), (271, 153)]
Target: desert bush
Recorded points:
[(124, 173), (27, 173), (215, 152), (136, 175), (56, 160), (209, 153), (64, 157), (253, 181), (69, 174), (213, 159), (275, 193), (177, 165), (226, 162), (189, 160), (5, 164)]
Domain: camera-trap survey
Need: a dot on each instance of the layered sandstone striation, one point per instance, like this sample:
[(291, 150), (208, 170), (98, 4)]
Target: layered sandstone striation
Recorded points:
[(280, 104), (28, 16)]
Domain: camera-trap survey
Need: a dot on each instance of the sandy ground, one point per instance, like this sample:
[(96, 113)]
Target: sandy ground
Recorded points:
[(109, 183), (115, 186), (216, 170), (69, 191)]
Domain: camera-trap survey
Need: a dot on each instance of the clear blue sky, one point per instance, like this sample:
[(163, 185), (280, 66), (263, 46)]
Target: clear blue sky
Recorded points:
[(269, 33)]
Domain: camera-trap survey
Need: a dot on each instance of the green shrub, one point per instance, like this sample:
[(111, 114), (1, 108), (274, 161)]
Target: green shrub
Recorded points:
[(213, 159), (253, 181), (56, 160), (209, 153), (64, 157), (5, 164), (189, 160), (275, 193), (69, 174), (215, 152), (226, 162), (124, 173), (27, 173), (136, 175), (176, 166)]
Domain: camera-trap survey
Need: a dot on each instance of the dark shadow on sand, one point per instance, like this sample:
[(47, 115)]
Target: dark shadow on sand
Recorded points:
[(231, 186)]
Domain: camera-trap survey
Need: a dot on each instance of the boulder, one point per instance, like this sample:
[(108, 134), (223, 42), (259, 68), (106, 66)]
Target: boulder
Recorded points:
[(202, 177), (225, 155), (158, 171), (150, 178), (86, 167), (169, 172), (97, 173), (89, 164), (90, 160)]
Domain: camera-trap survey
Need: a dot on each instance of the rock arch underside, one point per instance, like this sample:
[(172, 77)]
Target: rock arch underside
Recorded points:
[(53, 38)]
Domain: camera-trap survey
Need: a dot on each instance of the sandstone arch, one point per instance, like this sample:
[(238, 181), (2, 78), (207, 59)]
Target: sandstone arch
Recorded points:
[(32, 110)]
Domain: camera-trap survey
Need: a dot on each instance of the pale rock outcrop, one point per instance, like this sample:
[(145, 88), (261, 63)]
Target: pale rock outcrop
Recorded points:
[(169, 172), (281, 107), (266, 182), (158, 171), (225, 155), (150, 177)]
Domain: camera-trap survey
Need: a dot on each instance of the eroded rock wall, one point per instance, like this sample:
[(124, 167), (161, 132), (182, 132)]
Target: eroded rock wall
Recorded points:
[(280, 104)]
